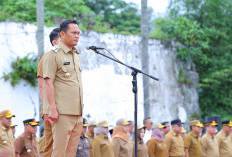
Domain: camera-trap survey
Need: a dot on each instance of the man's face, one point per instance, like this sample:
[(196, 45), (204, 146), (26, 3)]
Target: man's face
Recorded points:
[(211, 129), (31, 128), (6, 122), (84, 129), (197, 129), (177, 128), (227, 129), (91, 129), (167, 128), (148, 124), (71, 36)]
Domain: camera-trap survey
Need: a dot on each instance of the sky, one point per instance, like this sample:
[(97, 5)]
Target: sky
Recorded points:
[(159, 6)]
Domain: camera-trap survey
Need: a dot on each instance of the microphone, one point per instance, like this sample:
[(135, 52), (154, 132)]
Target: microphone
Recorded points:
[(94, 48)]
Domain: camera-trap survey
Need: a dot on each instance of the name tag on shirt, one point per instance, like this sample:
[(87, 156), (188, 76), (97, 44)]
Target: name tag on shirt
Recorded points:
[(66, 63)]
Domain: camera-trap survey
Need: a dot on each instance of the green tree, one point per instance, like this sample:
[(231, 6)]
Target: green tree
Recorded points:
[(204, 30)]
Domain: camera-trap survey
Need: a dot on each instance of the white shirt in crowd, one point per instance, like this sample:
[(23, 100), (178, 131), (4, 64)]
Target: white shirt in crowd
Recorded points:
[(147, 136)]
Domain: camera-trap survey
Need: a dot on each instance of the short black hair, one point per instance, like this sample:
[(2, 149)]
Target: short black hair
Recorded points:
[(145, 120), (54, 35), (64, 25)]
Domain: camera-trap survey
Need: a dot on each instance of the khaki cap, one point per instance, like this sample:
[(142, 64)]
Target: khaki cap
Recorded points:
[(13, 124), (196, 123), (7, 114), (122, 122), (183, 130), (103, 124)]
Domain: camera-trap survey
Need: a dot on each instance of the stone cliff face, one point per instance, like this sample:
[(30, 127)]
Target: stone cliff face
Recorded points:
[(107, 85)]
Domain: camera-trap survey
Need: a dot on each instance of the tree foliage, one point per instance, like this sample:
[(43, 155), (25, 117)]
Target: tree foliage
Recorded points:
[(114, 15), (204, 30)]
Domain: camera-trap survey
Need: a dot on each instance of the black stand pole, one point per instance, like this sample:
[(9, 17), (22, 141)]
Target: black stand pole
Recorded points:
[(135, 91)]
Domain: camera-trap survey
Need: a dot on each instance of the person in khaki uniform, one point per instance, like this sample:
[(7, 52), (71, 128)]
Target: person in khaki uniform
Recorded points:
[(183, 132), (83, 145), (12, 127), (156, 146), (54, 39), (142, 148), (102, 146), (63, 88), (192, 141), (121, 139), (174, 141), (209, 142), (166, 129), (6, 136), (90, 135), (224, 140), (25, 144)]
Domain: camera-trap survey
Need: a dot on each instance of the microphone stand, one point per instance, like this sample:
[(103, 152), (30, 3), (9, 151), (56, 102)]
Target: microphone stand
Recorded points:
[(134, 89)]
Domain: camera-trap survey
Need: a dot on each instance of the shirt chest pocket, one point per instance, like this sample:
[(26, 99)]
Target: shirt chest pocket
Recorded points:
[(28, 147), (3, 139), (175, 142), (67, 67)]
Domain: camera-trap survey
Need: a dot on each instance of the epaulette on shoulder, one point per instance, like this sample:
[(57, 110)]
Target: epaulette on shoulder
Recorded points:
[(56, 48)]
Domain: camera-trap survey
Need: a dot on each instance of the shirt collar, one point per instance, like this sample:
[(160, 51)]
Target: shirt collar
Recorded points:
[(4, 128), (67, 49)]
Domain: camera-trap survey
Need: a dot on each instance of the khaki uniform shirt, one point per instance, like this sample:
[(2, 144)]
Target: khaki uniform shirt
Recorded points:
[(102, 147), (142, 149), (122, 148), (26, 145), (175, 144), (40, 67), (6, 142), (157, 148), (63, 66), (40, 74), (91, 138), (194, 145), (83, 147), (225, 144), (210, 146), (41, 144)]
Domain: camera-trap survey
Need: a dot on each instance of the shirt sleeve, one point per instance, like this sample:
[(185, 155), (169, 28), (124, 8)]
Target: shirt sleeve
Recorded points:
[(19, 145), (96, 148), (49, 65), (40, 67), (116, 142), (151, 148), (187, 141), (168, 141), (204, 146)]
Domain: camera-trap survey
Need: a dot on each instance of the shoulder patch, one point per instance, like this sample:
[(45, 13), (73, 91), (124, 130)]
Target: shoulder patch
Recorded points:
[(56, 48)]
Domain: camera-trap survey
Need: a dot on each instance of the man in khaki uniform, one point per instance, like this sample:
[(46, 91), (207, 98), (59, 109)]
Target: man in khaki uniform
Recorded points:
[(83, 145), (192, 141), (209, 141), (12, 126), (63, 87), (224, 140), (90, 135), (174, 141), (166, 129), (54, 39), (25, 144), (6, 136)]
